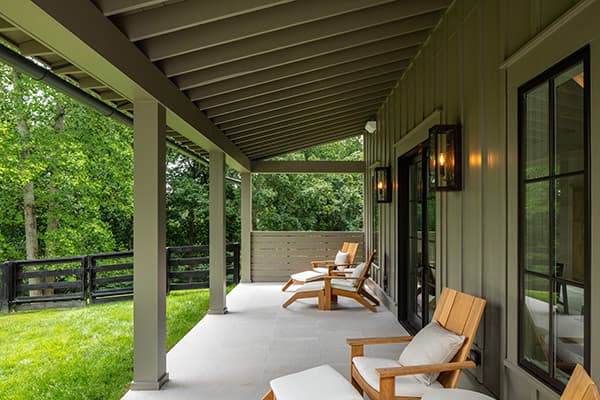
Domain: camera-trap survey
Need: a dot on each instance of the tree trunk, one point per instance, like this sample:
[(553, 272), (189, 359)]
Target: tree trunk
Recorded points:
[(31, 234), (53, 222)]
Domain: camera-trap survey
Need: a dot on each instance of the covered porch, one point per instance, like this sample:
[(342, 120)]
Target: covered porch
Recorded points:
[(234, 356), (238, 82)]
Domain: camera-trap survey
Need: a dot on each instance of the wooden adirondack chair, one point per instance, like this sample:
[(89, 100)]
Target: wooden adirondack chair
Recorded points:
[(580, 386), (456, 312), (327, 290), (323, 267)]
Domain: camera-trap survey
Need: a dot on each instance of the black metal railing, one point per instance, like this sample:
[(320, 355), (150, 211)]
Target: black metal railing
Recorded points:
[(101, 278)]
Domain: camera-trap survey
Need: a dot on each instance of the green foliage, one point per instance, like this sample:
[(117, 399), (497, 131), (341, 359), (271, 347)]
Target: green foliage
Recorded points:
[(81, 353), (316, 202), (80, 164), (187, 202)]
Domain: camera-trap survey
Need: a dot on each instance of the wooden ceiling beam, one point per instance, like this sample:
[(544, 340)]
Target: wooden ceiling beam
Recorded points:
[(112, 7), (234, 128), (379, 90), (394, 69), (334, 123), (317, 122), (247, 25), (385, 81), (314, 38), (186, 14), (289, 56)]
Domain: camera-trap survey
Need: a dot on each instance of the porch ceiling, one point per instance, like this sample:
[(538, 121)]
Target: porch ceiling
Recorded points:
[(267, 76)]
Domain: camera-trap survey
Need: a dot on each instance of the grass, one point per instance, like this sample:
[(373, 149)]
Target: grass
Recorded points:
[(81, 353)]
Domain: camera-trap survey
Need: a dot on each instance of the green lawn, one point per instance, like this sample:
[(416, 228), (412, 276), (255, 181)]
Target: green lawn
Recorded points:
[(81, 353)]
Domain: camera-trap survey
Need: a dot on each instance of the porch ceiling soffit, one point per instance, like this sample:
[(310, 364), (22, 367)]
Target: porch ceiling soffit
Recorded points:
[(258, 78), (311, 167)]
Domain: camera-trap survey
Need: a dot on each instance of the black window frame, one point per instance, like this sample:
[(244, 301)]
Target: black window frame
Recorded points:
[(548, 76)]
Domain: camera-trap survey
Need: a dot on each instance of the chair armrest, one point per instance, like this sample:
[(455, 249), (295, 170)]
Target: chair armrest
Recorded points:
[(316, 263), (423, 369), (378, 340), (357, 346)]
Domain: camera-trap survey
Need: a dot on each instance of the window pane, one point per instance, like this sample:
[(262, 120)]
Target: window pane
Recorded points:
[(536, 227), (536, 321), (570, 228), (536, 132), (568, 114), (568, 322)]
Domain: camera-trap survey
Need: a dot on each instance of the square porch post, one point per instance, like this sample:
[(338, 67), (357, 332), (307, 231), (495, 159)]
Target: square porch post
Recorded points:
[(246, 250), (149, 242), (217, 229)]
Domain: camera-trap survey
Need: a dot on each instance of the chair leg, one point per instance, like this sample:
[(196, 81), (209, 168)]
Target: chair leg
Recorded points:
[(362, 301), (369, 296), (269, 396), (287, 285), (289, 301)]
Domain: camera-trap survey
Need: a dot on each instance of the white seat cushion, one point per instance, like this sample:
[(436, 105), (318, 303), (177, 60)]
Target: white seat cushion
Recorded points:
[(323, 270), (307, 276), (311, 286), (319, 383), (342, 284), (432, 345), (407, 386)]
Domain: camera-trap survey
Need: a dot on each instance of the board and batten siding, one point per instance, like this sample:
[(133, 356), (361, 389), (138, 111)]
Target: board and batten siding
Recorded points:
[(457, 77), (277, 255)]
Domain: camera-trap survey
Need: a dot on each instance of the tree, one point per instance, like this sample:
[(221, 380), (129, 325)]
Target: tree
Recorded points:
[(73, 167), (311, 201)]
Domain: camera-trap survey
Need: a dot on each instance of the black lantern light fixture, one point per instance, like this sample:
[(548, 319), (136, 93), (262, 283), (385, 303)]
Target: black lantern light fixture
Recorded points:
[(445, 156), (383, 184)]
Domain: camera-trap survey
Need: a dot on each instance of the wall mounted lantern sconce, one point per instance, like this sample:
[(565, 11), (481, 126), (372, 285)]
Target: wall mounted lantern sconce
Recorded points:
[(445, 151), (383, 184)]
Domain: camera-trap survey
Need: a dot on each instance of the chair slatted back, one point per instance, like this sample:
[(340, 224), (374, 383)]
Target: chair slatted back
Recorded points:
[(365, 271), (580, 386), (460, 313), (352, 249), (344, 248)]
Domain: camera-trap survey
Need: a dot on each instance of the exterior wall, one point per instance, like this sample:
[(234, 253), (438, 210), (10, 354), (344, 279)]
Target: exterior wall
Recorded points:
[(460, 72), (277, 255)]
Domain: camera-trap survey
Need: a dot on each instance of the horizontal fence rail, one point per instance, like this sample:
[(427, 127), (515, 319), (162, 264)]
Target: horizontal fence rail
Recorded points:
[(101, 278)]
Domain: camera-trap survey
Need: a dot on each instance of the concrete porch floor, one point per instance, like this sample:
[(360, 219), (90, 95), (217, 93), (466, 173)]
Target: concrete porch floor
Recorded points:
[(234, 356)]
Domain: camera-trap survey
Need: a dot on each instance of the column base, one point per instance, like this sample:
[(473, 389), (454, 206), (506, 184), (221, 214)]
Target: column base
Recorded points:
[(150, 385), (218, 311)]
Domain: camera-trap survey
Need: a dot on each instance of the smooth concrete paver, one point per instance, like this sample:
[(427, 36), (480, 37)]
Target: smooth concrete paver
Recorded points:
[(234, 356)]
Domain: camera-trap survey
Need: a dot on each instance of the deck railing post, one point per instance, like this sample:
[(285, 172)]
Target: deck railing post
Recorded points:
[(168, 270), (4, 287), (236, 263)]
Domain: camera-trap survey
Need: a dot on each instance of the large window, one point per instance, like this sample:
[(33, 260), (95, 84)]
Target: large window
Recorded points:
[(554, 221)]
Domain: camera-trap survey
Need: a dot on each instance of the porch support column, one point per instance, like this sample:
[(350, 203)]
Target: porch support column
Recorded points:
[(149, 242), (217, 245), (246, 244)]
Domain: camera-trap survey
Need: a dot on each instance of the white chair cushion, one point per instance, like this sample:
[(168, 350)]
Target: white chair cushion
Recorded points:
[(357, 272), (432, 345), (321, 382), (343, 284), (406, 386), (342, 258), (311, 286), (323, 270), (307, 276)]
